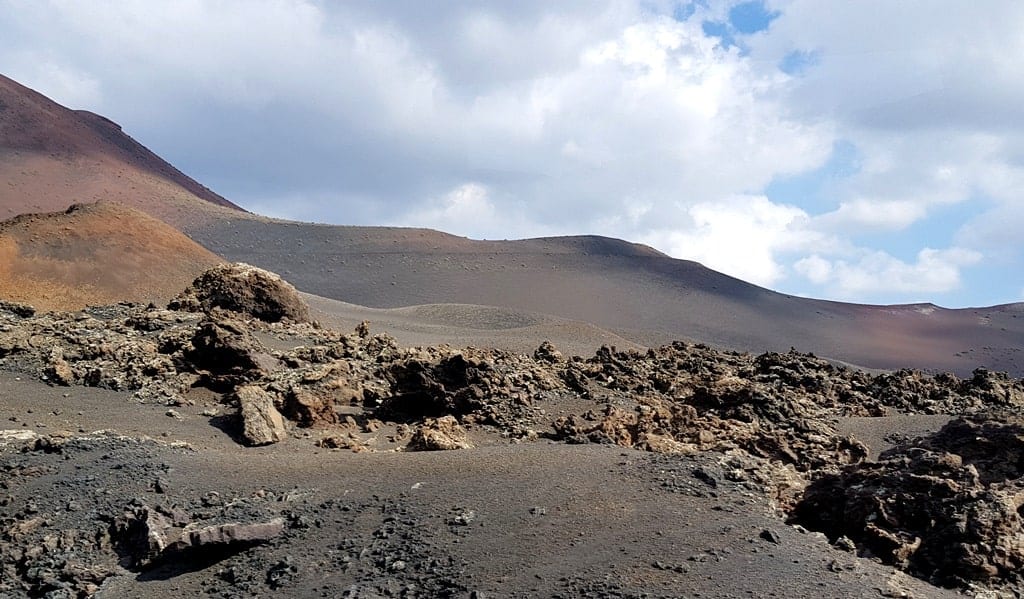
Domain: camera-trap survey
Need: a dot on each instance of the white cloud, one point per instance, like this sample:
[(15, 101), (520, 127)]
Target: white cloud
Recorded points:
[(904, 178), (469, 210), (741, 237), (566, 109), (876, 215), (817, 269), (74, 87), (467, 204), (934, 271), (930, 97)]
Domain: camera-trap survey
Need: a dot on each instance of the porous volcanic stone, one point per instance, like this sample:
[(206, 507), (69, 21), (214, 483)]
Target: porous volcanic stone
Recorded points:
[(439, 434), (245, 289)]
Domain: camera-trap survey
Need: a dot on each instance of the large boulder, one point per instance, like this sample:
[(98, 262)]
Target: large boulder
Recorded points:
[(245, 289)]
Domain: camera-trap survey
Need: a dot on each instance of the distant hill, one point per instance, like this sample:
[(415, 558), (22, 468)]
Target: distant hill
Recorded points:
[(630, 290), (52, 157), (95, 254)]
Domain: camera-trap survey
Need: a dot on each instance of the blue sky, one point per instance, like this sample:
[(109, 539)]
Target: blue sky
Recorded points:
[(868, 151)]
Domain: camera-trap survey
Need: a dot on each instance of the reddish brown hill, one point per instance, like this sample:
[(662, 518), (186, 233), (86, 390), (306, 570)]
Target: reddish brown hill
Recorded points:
[(52, 157), (95, 254)]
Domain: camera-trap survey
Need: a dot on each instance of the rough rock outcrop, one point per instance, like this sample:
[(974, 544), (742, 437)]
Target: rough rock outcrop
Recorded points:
[(148, 536), (774, 412), (483, 386), (18, 309), (547, 352), (58, 370), (218, 536), (945, 508), (776, 406), (439, 434), (242, 288), (224, 354)]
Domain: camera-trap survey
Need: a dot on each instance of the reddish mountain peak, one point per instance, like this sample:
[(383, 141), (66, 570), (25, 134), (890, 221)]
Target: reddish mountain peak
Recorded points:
[(52, 156)]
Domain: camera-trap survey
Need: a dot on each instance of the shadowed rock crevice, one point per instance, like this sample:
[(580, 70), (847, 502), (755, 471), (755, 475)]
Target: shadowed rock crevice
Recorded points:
[(945, 508), (451, 386)]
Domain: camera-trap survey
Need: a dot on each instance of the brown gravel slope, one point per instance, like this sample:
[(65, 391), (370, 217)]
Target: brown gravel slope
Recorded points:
[(95, 254), (52, 157)]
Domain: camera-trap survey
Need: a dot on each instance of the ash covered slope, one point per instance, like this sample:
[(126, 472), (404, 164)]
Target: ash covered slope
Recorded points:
[(95, 254), (52, 157), (631, 290)]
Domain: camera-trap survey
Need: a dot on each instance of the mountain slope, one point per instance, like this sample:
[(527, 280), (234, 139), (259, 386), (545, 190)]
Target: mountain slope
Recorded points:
[(635, 292), (52, 157), (95, 254)]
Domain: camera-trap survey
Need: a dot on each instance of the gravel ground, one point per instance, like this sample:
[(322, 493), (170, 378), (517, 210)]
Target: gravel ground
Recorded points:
[(504, 520)]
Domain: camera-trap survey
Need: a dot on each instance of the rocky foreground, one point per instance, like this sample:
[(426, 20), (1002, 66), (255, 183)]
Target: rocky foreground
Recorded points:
[(240, 345)]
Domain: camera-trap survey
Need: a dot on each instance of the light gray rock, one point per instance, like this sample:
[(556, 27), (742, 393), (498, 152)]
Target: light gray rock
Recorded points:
[(194, 537), (439, 434), (262, 424)]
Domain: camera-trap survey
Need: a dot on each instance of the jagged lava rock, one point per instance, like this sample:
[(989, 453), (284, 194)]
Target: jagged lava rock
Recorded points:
[(225, 352), (945, 508), (239, 287)]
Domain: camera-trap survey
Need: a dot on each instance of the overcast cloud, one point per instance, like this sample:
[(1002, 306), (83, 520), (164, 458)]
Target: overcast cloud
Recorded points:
[(868, 151)]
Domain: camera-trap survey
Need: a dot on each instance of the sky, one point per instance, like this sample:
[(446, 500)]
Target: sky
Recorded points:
[(857, 150)]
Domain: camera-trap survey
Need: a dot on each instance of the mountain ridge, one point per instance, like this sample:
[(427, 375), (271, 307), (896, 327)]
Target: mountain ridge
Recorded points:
[(52, 157)]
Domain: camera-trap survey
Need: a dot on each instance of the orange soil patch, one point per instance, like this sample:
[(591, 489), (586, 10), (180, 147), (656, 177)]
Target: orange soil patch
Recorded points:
[(95, 254)]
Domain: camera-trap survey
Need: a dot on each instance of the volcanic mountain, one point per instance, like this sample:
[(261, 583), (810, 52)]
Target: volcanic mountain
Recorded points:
[(95, 254), (630, 290), (430, 287), (52, 157)]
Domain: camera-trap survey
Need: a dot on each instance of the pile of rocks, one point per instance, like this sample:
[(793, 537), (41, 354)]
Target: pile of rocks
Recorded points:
[(687, 398), (229, 347), (946, 508)]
